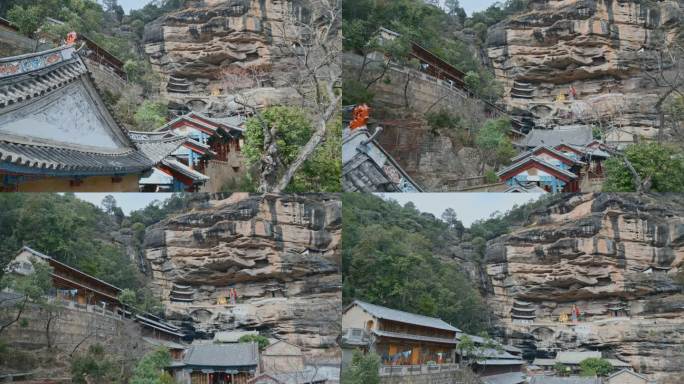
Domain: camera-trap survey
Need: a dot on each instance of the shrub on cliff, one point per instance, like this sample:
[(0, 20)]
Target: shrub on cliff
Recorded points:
[(94, 366), (262, 341)]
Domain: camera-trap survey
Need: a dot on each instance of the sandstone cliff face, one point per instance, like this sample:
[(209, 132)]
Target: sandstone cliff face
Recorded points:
[(281, 254), (593, 45), (599, 252), (211, 49)]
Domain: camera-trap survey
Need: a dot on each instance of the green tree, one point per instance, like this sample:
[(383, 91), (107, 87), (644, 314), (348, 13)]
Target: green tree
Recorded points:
[(93, 366), (363, 369), (27, 19), (595, 366), (262, 341), (32, 288), (151, 115), (493, 142), (562, 369), (292, 130), (150, 369), (661, 166)]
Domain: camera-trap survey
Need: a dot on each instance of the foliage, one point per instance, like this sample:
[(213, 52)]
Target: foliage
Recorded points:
[(492, 139), (70, 230), (491, 177), (663, 164), (354, 92), (292, 129), (363, 369), (323, 171), (442, 119), (562, 369), (151, 115), (595, 366), (150, 368), (95, 365), (157, 210), (496, 13), (27, 19), (416, 21), (34, 286), (389, 259), (262, 341)]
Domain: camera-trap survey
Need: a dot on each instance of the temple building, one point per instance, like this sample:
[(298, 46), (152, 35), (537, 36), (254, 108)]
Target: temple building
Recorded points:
[(366, 165), (535, 171), (401, 338), (234, 363), (57, 135), (76, 289), (523, 312)]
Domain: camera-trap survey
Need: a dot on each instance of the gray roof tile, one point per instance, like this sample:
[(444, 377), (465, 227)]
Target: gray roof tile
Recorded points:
[(405, 317), (222, 355)]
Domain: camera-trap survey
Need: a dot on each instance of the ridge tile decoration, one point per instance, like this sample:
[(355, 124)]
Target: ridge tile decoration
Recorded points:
[(57, 135), (31, 64)]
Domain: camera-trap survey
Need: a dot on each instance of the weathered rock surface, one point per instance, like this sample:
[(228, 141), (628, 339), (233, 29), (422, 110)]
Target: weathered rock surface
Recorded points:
[(599, 252), (212, 49), (281, 254), (437, 159), (596, 46)]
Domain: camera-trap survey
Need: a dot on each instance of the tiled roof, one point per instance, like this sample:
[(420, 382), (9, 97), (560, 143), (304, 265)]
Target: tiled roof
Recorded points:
[(34, 75), (222, 355), (550, 149), (232, 336), (576, 357), (505, 378), (404, 317), (367, 167), (539, 161), (564, 380), (39, 134), (580, 135), (184, 169)]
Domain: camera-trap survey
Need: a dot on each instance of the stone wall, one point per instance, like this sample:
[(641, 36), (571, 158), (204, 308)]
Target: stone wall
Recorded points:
[(223, 172), (437, 160), (13, 44), (73, 326), (104, 77)]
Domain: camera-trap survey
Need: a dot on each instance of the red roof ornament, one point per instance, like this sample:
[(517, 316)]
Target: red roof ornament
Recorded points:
[(71, 38)]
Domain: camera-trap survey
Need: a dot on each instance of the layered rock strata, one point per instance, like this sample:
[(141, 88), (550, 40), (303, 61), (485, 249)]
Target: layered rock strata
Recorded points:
[(618, 258), (279, 252), (211, 50), (598, 47)]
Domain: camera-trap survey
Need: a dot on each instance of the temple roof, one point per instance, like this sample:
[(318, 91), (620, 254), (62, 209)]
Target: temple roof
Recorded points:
[(385, 313), (184, 170), (367, 167), (53, 121)]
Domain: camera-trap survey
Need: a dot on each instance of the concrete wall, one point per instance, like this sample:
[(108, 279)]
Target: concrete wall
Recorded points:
[(356, 317)]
